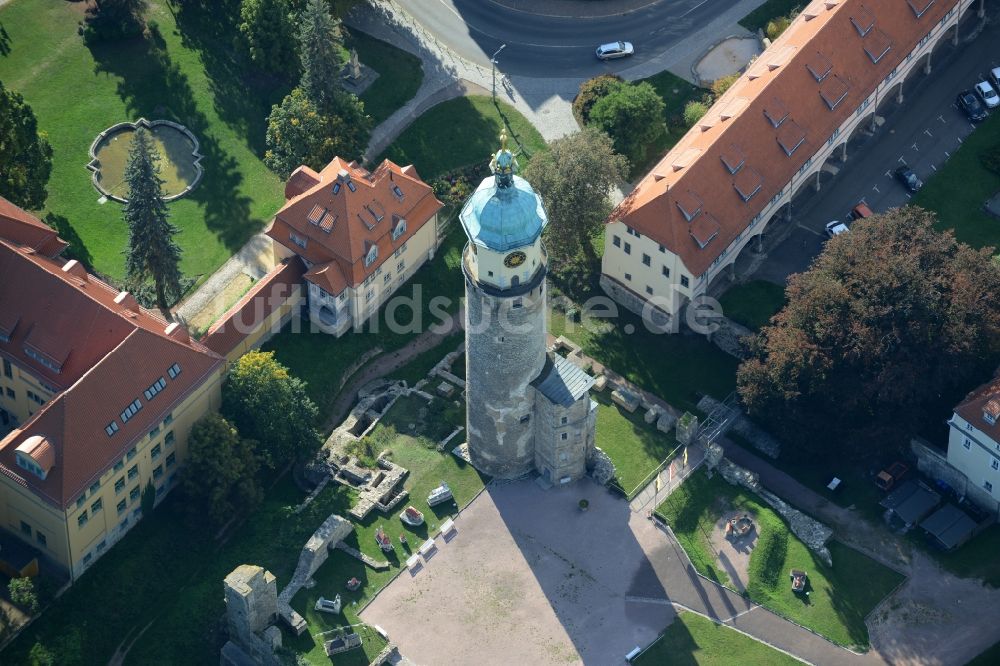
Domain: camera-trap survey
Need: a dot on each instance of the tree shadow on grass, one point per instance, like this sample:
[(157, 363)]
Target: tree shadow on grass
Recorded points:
[(4, 41), (153, 86), (77, 249), (243, 96)]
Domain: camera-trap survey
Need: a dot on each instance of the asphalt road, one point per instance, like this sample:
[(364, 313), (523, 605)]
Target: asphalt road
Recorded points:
[(923, 133), (556, 46)]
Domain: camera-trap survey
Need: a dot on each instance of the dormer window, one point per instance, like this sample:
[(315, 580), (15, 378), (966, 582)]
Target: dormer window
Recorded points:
[(776, 112), (37, 455), (51, 365), (396, 192), (748, 183), (157, 386), (131, 410), (877, 44), (733, 158), (819, 66), (919, 7), (689, 204), (298, 240), (111, 428), (315, 215), (790, 137), (371, 256), (374, 213), (834, 91), (991, 410), (399, 229), (174, 370), (863, 21)]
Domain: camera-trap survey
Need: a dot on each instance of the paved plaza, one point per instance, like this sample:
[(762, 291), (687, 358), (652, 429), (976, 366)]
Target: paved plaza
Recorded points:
[(529, 578)]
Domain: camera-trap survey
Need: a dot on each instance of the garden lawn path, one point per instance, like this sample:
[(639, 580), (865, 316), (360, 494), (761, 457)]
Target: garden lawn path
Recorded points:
[(935, 617), (387, 364)]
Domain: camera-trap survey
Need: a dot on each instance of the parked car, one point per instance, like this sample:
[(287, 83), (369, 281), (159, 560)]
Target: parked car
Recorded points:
[(995, 77), (835, 228), (615, 50), (908, 178), (891, 475), (971, 106), (861, 211), (987, 94)]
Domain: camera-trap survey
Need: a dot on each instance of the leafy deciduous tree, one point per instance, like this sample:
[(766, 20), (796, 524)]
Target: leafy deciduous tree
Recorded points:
[(299, 133), (891, 325), (592, 90), (221, 471), (268, 29), (574, 177), (694, 111), (152, 252), (22, 592), (633, 116), (25, 154), (267, 404)]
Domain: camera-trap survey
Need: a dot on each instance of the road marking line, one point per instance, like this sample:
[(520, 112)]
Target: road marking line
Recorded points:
[(901, 159), (960, 139), (875, 187), (914, 146), (684, 15), (928, 133), (888, 174), (941, 118), (934, 167), (908, 196), (804, 228), (947, 154)]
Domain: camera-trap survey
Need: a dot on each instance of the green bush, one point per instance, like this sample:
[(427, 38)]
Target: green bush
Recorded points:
[(777, 26), (693, 112), (767, 564), (591, 91)]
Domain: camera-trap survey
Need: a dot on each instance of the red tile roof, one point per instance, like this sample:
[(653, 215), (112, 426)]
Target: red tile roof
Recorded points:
[(23, 228), (341, 227), (986, 398), (772, 119), (110, 352), (250, 313)]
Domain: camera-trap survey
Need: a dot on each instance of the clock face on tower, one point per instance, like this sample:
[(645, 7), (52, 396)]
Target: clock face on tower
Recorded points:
[(514, 259)]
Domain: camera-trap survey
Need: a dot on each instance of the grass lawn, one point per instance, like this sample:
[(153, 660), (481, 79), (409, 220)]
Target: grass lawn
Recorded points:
[(419, 367), (693, 639), (427, 468), (678, 368), (840, 597), (187, 74), (771, 9), (322, 360), (676, 93), (458, 133), (400, 74), (958, 190), (635, 446), (753, 303)]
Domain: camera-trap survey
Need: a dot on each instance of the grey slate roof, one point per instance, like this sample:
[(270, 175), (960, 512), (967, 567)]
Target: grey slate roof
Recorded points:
[(949, 525), (562, 382), (911, 501)]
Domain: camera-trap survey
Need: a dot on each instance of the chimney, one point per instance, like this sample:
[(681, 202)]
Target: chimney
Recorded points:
[(177, 332), (127, 301), (344, 176), (76, 269)]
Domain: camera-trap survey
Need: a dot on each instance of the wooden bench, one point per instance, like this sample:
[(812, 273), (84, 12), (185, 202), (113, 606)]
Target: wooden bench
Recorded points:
[(412, 561), (426, 547)]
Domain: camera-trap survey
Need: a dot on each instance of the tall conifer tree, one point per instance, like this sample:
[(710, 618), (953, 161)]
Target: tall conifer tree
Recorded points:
[(152, 252), (319, 51)]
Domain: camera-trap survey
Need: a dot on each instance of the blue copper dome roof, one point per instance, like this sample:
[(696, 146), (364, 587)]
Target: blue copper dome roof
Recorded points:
[(503, 213)]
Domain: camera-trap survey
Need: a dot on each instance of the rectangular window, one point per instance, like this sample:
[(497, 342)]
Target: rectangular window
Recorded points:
[(169, 438), (158, 471), (168, 420), (564, 420), (628, 248), (628, 277), (988, 486), (649, 290), (564, 436), (97, 505), (684, 281), (25, 529), (387, 278), (131, 453), (995, 464), (111, 428), (119, 466), (133, 472), (616, 241), (154, 452), (120, 485), (87, 558), (10, 393), (101, 546), (7, 371), (81, 500), (81, 520), (121, 506), (174, 370), (42, 541), (666, 272), (95, 487), (133, 494), (663, 250), (154, 432), (171, 459), (646, 259), (370, 295), (400, 266), (967, 443)]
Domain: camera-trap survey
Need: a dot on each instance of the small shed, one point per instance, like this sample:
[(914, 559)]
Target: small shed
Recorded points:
[(949, 526), (911, 502)]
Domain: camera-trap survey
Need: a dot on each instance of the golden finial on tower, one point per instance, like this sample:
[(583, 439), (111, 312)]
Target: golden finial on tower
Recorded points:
[(503, 139)]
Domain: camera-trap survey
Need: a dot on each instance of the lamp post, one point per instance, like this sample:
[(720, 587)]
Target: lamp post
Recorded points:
[(493, 62)]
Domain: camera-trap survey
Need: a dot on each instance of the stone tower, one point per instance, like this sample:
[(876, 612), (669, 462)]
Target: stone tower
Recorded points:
[(504, 266)]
